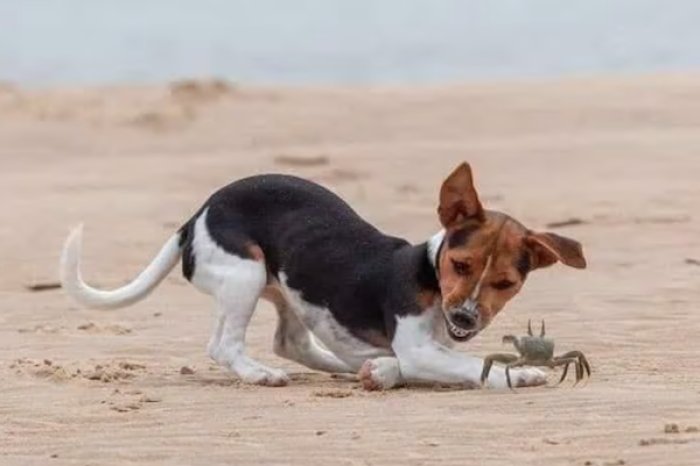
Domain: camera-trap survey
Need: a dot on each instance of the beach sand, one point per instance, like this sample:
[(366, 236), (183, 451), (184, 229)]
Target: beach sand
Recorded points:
[(619, 158)]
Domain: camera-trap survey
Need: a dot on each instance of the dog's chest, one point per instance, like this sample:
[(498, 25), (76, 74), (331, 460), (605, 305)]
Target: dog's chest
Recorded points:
[(440, 333), (321, 323)]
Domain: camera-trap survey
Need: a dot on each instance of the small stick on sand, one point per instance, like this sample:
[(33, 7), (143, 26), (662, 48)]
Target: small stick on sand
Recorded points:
[(302, 161), (36, 287), (566, 223)]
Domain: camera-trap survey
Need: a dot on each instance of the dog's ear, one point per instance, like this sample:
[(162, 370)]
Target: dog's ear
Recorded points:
[(548, 248), (458, 198)]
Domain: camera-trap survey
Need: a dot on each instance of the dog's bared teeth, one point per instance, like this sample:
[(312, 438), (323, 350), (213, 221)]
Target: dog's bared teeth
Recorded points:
[(460, 333)]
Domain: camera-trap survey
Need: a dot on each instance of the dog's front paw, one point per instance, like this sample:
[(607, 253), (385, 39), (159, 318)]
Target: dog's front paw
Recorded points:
[(380, 374), (265, 376), (529, 377), (525, 377)]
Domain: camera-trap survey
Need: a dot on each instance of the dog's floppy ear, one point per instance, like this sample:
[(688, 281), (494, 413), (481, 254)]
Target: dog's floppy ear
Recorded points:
[(458, 198), (548, 248)]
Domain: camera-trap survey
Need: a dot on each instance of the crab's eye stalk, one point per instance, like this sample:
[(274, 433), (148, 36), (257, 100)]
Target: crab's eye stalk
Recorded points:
[(460, 268), (503, 285)]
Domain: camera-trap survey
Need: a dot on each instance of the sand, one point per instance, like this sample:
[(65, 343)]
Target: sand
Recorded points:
[(620, 157)]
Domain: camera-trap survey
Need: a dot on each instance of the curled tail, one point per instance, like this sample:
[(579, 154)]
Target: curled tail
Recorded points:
[(72, 281)]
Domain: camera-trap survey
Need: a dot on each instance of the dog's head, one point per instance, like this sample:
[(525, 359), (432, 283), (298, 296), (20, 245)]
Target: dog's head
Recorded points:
[(485, 256)]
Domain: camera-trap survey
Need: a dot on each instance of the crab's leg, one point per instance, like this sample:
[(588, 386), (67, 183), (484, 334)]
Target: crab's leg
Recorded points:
[(562, 361), (583, 362), (504, 358), (516, 363), (579, 372), (564, 372)]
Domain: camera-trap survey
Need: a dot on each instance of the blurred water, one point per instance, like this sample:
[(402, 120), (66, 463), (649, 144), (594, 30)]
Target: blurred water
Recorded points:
[(48, 42)]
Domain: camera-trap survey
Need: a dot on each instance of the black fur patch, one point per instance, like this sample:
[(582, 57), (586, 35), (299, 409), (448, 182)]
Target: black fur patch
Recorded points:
[(460, 237), (325, 250), (425, 276), (222, 228), (188, 259)]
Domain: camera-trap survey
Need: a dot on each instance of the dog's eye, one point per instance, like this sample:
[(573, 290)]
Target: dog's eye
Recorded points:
[(460, 268), (503, 284)]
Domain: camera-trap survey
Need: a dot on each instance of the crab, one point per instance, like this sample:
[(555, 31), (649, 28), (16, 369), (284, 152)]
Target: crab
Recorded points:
[(536, 351)]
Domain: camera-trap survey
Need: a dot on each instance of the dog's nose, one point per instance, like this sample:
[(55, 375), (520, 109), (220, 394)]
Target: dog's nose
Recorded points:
[(465, 319)]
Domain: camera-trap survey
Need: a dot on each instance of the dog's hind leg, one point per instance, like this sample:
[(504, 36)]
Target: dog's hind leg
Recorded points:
[(236, 283), (238, 303), (293, 340), (217, 331)]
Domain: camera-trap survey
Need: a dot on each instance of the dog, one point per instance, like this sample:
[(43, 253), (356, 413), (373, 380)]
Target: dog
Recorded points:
[(349, 298)]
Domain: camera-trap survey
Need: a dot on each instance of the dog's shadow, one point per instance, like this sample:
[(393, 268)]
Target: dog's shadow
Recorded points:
[(215, 378), (331, 385)]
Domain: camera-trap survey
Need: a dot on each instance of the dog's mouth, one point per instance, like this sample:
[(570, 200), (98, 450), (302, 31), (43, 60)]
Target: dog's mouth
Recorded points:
[(459, 334)]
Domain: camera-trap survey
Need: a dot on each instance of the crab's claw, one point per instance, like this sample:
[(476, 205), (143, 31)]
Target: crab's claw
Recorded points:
[(529, 327), (542, 332), (509, 339)]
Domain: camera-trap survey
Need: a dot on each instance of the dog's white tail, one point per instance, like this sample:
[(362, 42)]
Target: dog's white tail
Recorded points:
[(147, 281)]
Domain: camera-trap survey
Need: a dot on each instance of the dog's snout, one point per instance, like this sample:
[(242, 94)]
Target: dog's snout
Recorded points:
[(465, 319)]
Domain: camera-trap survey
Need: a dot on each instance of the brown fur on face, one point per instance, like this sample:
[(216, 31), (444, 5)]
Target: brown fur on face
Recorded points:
[(472, 234)]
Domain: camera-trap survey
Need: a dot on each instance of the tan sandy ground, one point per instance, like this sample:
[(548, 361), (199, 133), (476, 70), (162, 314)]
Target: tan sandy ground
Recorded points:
[(621, 155)]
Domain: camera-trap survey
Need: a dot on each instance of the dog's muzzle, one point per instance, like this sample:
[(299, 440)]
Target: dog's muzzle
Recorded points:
[(464, 321)]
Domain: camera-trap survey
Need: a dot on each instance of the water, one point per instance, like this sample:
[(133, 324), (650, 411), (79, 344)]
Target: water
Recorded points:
[(58, 42)]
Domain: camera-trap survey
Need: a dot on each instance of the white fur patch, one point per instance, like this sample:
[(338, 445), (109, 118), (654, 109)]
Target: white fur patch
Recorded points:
[(147, 281), (319, 320), (293, 340), (434, 244), (380, 374), (423, 359), (236, 283), (472, 302)]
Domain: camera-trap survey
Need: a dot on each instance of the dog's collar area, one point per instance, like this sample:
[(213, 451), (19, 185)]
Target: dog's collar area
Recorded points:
[(437, 260), (435, 246)]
